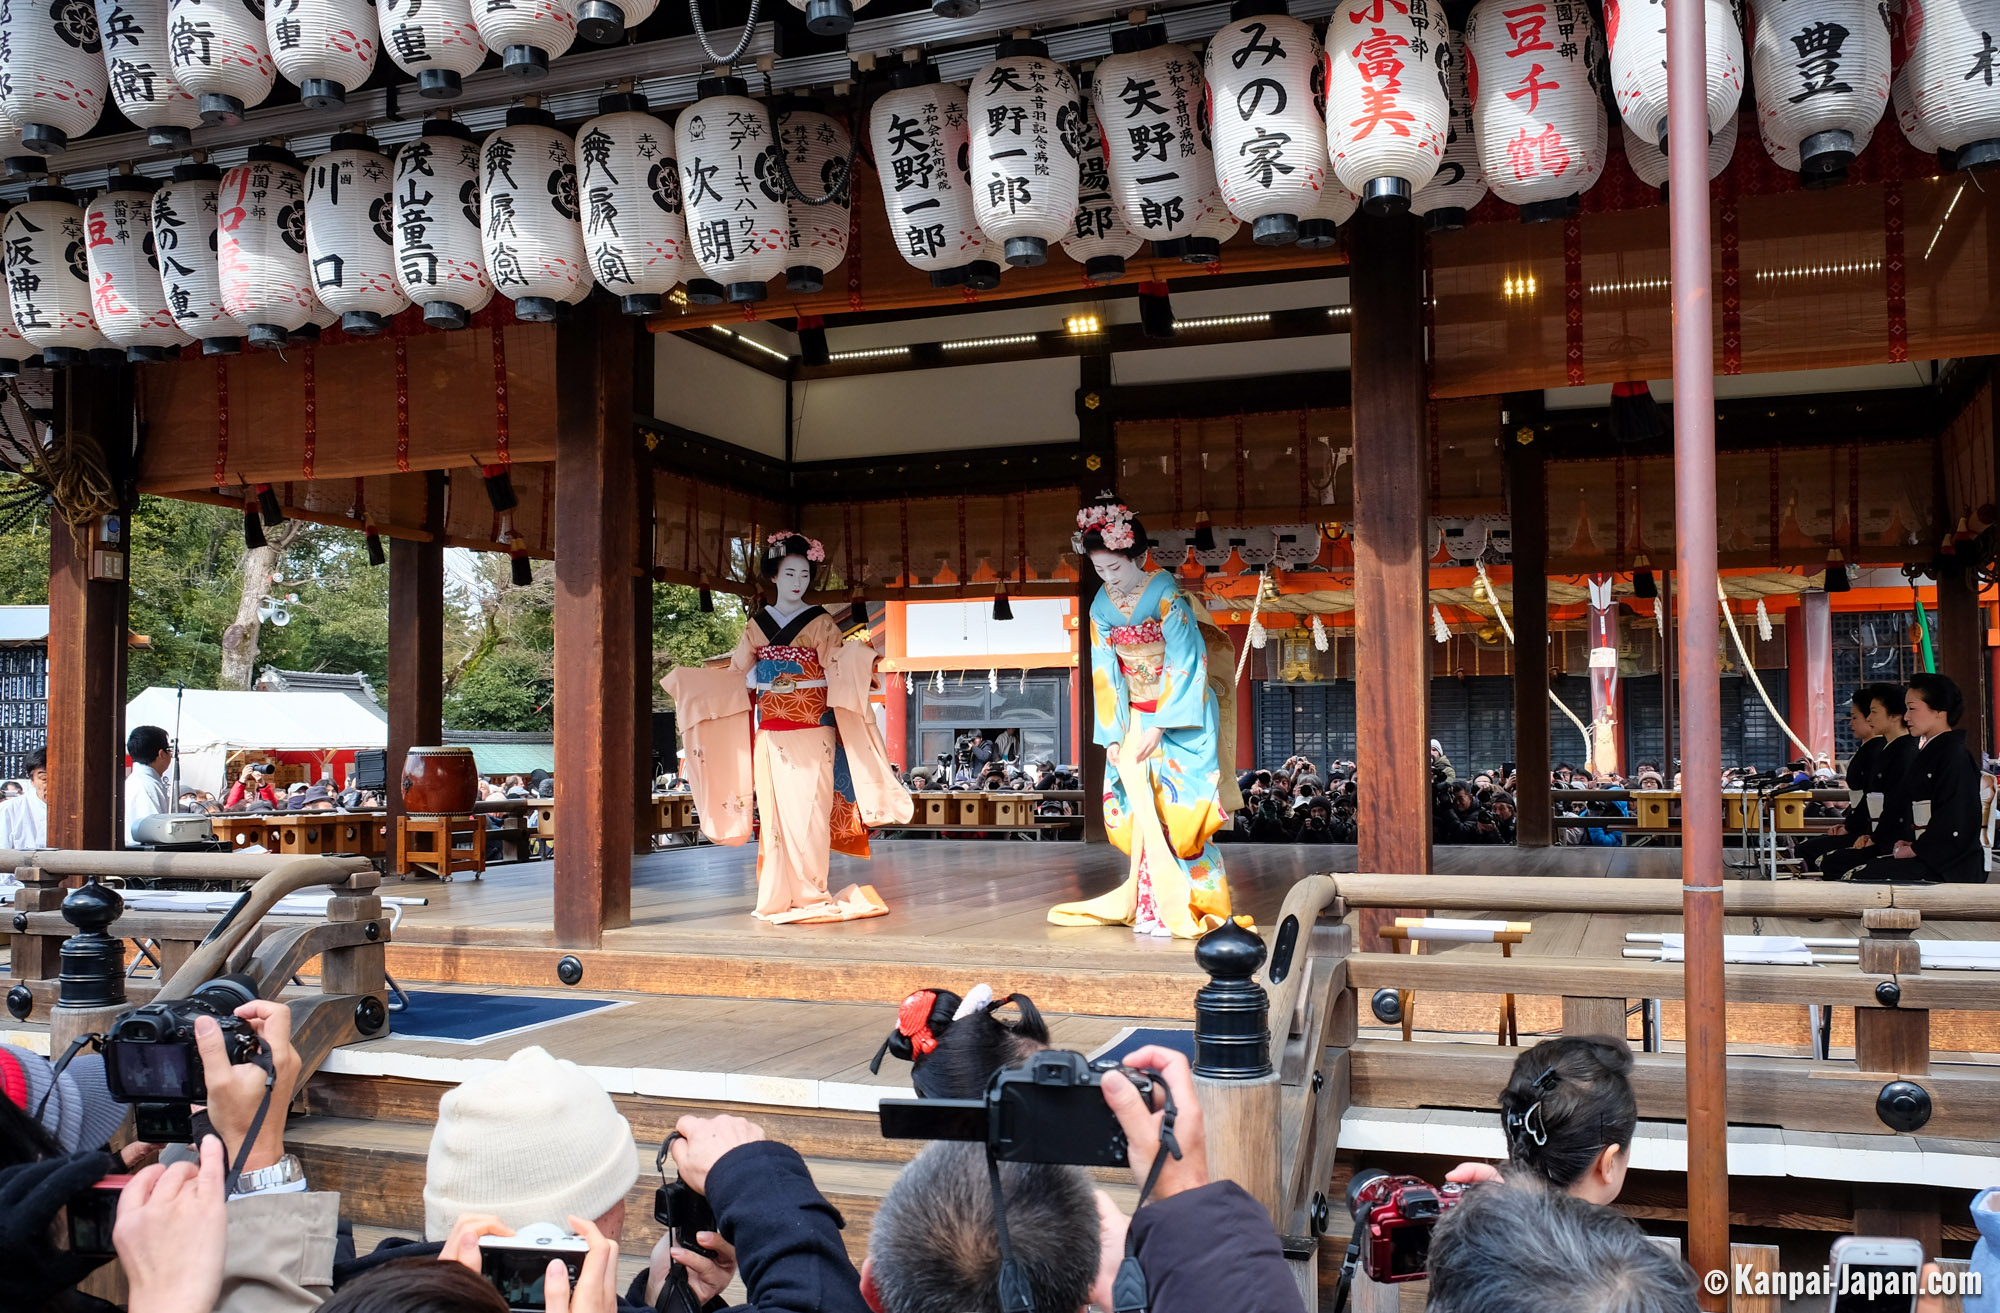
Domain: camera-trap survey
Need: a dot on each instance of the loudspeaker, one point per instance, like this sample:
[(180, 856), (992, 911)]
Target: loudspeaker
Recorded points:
[(371, 769), (666, 744)]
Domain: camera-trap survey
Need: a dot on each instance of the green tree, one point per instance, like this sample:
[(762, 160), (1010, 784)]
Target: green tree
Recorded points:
[(686, 635)]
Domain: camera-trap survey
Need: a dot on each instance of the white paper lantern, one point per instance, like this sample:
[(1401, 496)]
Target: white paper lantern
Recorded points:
[(351, 234), (15, 350), (1953, 77), (184, 239), (527, 33), (982, 272), (1149, 101), (1215, 226), (1027, 135), (48, 276), (1319, 227), (1459, 185), (52, 76), (433, 40), (16, 161), (1537, 120), (1650, 163), (134, 35), (1822, 69), (924, 154), (736, 212), (220, 55), (440, 251), (1264, 80), (1901, 99), (260, 226), (817, 151), (831, 17), (126, 297), (324, 47), (1635, 32), (605, 22), (1388, 102), (528, 200), (634, 230), (1099, 239)]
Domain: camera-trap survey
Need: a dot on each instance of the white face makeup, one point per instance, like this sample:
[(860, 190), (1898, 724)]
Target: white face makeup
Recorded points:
[(1119, 572), (793, 578)]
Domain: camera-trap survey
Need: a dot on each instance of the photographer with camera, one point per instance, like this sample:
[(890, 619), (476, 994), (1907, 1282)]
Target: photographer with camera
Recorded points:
[(253, 784), (1569, 1114), (959, 1224)]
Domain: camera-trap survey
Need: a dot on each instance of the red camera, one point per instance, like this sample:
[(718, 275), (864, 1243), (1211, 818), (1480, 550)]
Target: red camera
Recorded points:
[(1394, 1216)]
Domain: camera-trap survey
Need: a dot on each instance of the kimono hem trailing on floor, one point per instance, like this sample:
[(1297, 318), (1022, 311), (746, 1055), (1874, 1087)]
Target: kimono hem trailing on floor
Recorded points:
[(1151, 670)]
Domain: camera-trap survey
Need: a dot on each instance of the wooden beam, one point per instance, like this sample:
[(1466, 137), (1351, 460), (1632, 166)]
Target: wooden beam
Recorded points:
[(86, 731), (416, 634), (1528, 514), (1097, 443), (596, 465), (1391, 552)]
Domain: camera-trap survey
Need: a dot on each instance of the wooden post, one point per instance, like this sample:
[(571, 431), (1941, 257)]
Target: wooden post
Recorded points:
[(1961, 638), (1233, 1073), (416, 634), (643, 687), (1527, 507), (1392, 660), (1097, 436), (86, 697), (1809, 654), (596, 549)]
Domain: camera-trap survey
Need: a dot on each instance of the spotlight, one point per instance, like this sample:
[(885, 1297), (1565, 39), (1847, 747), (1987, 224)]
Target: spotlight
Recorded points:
[(1082, 325)]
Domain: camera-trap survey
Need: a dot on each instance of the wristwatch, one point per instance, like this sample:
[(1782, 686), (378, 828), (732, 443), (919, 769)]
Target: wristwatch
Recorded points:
[(285, 1174)]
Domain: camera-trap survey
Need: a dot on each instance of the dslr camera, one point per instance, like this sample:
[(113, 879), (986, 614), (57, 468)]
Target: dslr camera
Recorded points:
[(151, 1062), (1050, 1109), (518, 1265), (1393, 1220)]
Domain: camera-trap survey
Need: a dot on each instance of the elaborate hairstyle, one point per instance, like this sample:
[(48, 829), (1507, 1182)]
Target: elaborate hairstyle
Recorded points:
[(1940, 693), (954, 1045), (785, 543), (1511, 1250), (1108, 525), (1569, 1098), (1889, 695)]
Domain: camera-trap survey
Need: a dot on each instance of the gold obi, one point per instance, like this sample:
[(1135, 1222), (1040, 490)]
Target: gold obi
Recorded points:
[(1142, 664)]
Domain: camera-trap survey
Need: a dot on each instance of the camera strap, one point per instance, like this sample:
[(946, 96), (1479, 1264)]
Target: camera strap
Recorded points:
[(1347, 1264), (233, 1182), (61, 1064)]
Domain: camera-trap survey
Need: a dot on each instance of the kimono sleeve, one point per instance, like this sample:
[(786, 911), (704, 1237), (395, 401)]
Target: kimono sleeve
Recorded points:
[(744, 655), (1107, 681), (1184, 669)]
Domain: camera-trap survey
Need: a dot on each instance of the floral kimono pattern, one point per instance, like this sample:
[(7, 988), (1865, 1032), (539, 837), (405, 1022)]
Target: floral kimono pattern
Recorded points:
[(1149, 670)]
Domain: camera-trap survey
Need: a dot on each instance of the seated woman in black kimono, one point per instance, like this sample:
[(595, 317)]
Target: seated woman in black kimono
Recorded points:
[(1934, 815)]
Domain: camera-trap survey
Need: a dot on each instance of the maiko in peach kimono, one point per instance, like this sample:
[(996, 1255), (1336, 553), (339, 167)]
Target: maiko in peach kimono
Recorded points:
[(813, 760)]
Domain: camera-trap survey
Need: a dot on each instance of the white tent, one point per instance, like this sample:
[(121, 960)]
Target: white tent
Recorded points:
[(213, 724)]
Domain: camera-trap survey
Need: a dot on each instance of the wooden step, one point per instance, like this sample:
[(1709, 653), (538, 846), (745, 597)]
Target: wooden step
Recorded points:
[(1149, 985)]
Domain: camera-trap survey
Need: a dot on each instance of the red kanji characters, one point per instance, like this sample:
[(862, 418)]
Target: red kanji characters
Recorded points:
[(1543, 153), (1532, 87), (1525, 26)]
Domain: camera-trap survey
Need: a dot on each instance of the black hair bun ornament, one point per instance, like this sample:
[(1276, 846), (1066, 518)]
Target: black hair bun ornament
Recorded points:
[(920, 1023)]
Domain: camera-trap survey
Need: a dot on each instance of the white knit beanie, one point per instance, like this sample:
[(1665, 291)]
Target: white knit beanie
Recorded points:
[(534, 1140)]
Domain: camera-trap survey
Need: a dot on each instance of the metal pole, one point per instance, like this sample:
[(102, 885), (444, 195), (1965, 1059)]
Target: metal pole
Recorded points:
[(1701, 710)]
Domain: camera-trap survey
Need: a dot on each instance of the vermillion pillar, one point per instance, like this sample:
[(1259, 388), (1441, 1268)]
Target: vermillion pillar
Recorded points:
[(1809, 664), (596, 552), (1701, 694), (416, 632), (86, 733), (1392, 661), (1527, 509)]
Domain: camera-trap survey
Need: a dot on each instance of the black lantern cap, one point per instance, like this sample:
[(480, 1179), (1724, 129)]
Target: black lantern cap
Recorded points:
[(954, 277), (1201, 250), (600, 22), (447, 315), (829, 17), (354, 141), (1104, 268), (623, 102), (747, 293), (528, 63), (1275, 230), (1243, 9), (640, 303), (222, 346), (62, 357), (446, 128), (271, 155), (533, 116), (805, 278), (29, 166), (706, 291), (131, 182), (439, 84), (44, 138), (216, 108), (1132, 40), (923, 73), (363, 323), (1560, 208), (1027, 252), (1317, 234), (706, 88), (1445, 219), (322, 93), (166, 136), (43, 191), (9, 368), (144, 355), (1016, 47), (197, 173), (1386, 196)]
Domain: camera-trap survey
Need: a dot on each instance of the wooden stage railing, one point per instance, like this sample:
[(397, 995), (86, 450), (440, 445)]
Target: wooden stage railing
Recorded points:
[(1314, 982)]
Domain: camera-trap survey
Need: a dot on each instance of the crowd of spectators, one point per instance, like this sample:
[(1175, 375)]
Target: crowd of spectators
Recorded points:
[(535, 1141)]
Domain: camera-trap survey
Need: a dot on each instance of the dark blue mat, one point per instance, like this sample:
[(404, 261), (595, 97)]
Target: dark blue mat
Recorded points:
[(475, 1018), (1140, 1036)]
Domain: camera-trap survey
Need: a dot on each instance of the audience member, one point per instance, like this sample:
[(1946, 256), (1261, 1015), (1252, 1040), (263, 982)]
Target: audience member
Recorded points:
[(251, 783), (1569, 1114), (955, 1045), (1510, 1250), (24, 818)]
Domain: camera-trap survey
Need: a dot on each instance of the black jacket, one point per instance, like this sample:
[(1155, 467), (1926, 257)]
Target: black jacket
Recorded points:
[(1213, 1250), (787, 1237), (1944, 775), (1862, 769), (1891, 769)]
